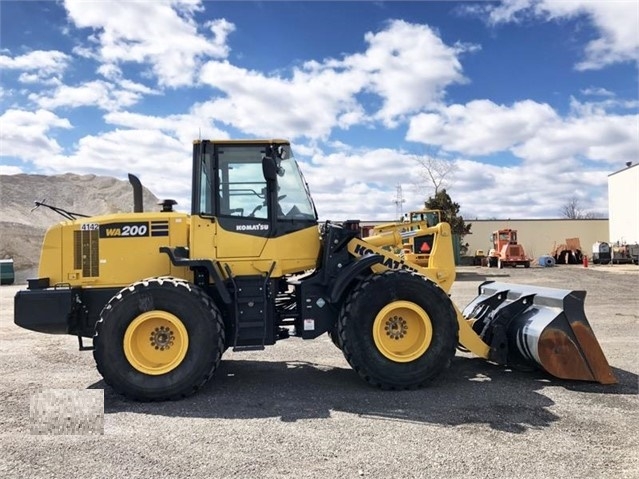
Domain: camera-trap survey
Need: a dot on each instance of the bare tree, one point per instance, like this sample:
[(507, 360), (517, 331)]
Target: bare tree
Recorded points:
[(573, 210), (435, 172)]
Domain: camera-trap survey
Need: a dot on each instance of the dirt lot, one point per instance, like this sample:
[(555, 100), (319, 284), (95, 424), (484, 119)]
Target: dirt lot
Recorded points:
[(298, 410)]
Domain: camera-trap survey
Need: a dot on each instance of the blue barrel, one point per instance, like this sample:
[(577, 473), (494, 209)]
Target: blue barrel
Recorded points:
[(546, 261)]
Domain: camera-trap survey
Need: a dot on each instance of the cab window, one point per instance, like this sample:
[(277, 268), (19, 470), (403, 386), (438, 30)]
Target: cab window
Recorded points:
[(242, 188)]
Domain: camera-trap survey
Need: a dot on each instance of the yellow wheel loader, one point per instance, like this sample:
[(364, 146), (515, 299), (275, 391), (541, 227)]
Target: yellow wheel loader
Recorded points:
[(164, 294), (415, 246)]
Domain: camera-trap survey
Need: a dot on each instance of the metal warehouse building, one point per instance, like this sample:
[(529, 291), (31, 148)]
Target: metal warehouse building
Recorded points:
[(623, 205), (538, 237)]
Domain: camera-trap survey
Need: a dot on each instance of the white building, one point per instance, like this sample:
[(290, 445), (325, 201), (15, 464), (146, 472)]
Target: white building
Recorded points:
[(623, 205)]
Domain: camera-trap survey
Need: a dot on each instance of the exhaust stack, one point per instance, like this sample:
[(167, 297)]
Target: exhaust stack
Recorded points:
[(138, 207)]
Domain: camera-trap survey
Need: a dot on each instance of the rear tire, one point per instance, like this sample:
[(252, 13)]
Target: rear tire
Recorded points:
[(398, 330), (158, 339)]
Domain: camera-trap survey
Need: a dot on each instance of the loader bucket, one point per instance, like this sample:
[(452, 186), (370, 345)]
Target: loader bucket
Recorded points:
[(528, 326)]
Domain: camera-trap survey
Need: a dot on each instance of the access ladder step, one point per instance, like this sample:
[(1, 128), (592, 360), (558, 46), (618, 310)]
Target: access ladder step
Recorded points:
[(257, 347), (251, 314), (251, 324)]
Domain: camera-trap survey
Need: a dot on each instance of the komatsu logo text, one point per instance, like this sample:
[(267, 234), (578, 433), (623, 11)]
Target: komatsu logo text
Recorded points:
[(389, 262), (257, 227)]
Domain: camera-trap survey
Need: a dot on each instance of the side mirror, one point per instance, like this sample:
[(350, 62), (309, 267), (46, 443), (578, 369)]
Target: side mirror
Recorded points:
[(270, 168)]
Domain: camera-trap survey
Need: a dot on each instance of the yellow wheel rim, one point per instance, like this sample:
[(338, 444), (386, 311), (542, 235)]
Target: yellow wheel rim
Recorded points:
[(402, 331), (156, 342)]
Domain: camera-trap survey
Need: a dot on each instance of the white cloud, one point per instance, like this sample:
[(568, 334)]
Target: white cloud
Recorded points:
[(617, 23), (166, 36), (110, 71), (597, 91), (10, 170), (38, 78), (601, 107), (530, 190), (97, 93), (480, 127), (309, 104), (157, 149), (606, 138), (530, 130), (162, 162), (221, 28), (122, 148), (38, 66), (25, 134), (407, 66), (362, 185), (185, 127)]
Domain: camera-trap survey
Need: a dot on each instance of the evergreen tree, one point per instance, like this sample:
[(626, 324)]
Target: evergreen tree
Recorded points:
[(450, 212)]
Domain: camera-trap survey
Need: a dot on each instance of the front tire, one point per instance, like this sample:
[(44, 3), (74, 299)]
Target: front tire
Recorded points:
[(334, 335), (158, 339), (398, 330)]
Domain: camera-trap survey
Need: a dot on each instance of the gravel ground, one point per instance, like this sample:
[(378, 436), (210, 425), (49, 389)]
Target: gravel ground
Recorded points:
[(298, 410)]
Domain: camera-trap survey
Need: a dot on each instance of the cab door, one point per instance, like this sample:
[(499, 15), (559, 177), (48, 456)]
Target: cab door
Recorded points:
[(243, 221)]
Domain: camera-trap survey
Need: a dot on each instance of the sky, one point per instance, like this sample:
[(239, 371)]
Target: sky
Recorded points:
[(525, 105)]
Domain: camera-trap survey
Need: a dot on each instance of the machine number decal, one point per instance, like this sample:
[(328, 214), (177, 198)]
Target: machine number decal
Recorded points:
[(89, 226), (124, 230), (134, 230)]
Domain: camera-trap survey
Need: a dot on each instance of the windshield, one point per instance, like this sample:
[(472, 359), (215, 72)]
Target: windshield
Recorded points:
[(294, 198)]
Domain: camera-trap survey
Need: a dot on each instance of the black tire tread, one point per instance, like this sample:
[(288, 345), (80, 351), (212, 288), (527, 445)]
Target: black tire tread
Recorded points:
[(178, 283), (347, 314)]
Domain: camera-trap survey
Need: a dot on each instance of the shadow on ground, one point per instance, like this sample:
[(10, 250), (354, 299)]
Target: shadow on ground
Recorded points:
[(471, 392), (479, 276)]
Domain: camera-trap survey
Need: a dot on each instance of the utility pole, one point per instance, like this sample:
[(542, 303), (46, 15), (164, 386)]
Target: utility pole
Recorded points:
[(399, 204)]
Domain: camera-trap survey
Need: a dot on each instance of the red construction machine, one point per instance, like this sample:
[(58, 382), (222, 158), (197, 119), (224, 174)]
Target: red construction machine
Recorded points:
[(506, 251)]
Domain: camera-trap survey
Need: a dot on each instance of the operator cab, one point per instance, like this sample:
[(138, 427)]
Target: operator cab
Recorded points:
[(251, 186), (432, 218)]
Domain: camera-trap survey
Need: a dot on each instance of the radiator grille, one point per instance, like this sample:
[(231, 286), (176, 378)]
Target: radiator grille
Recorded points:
[(86, 252)]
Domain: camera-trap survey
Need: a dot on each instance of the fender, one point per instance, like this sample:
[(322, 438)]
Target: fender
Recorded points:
[(351, 272), (211, 267)]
